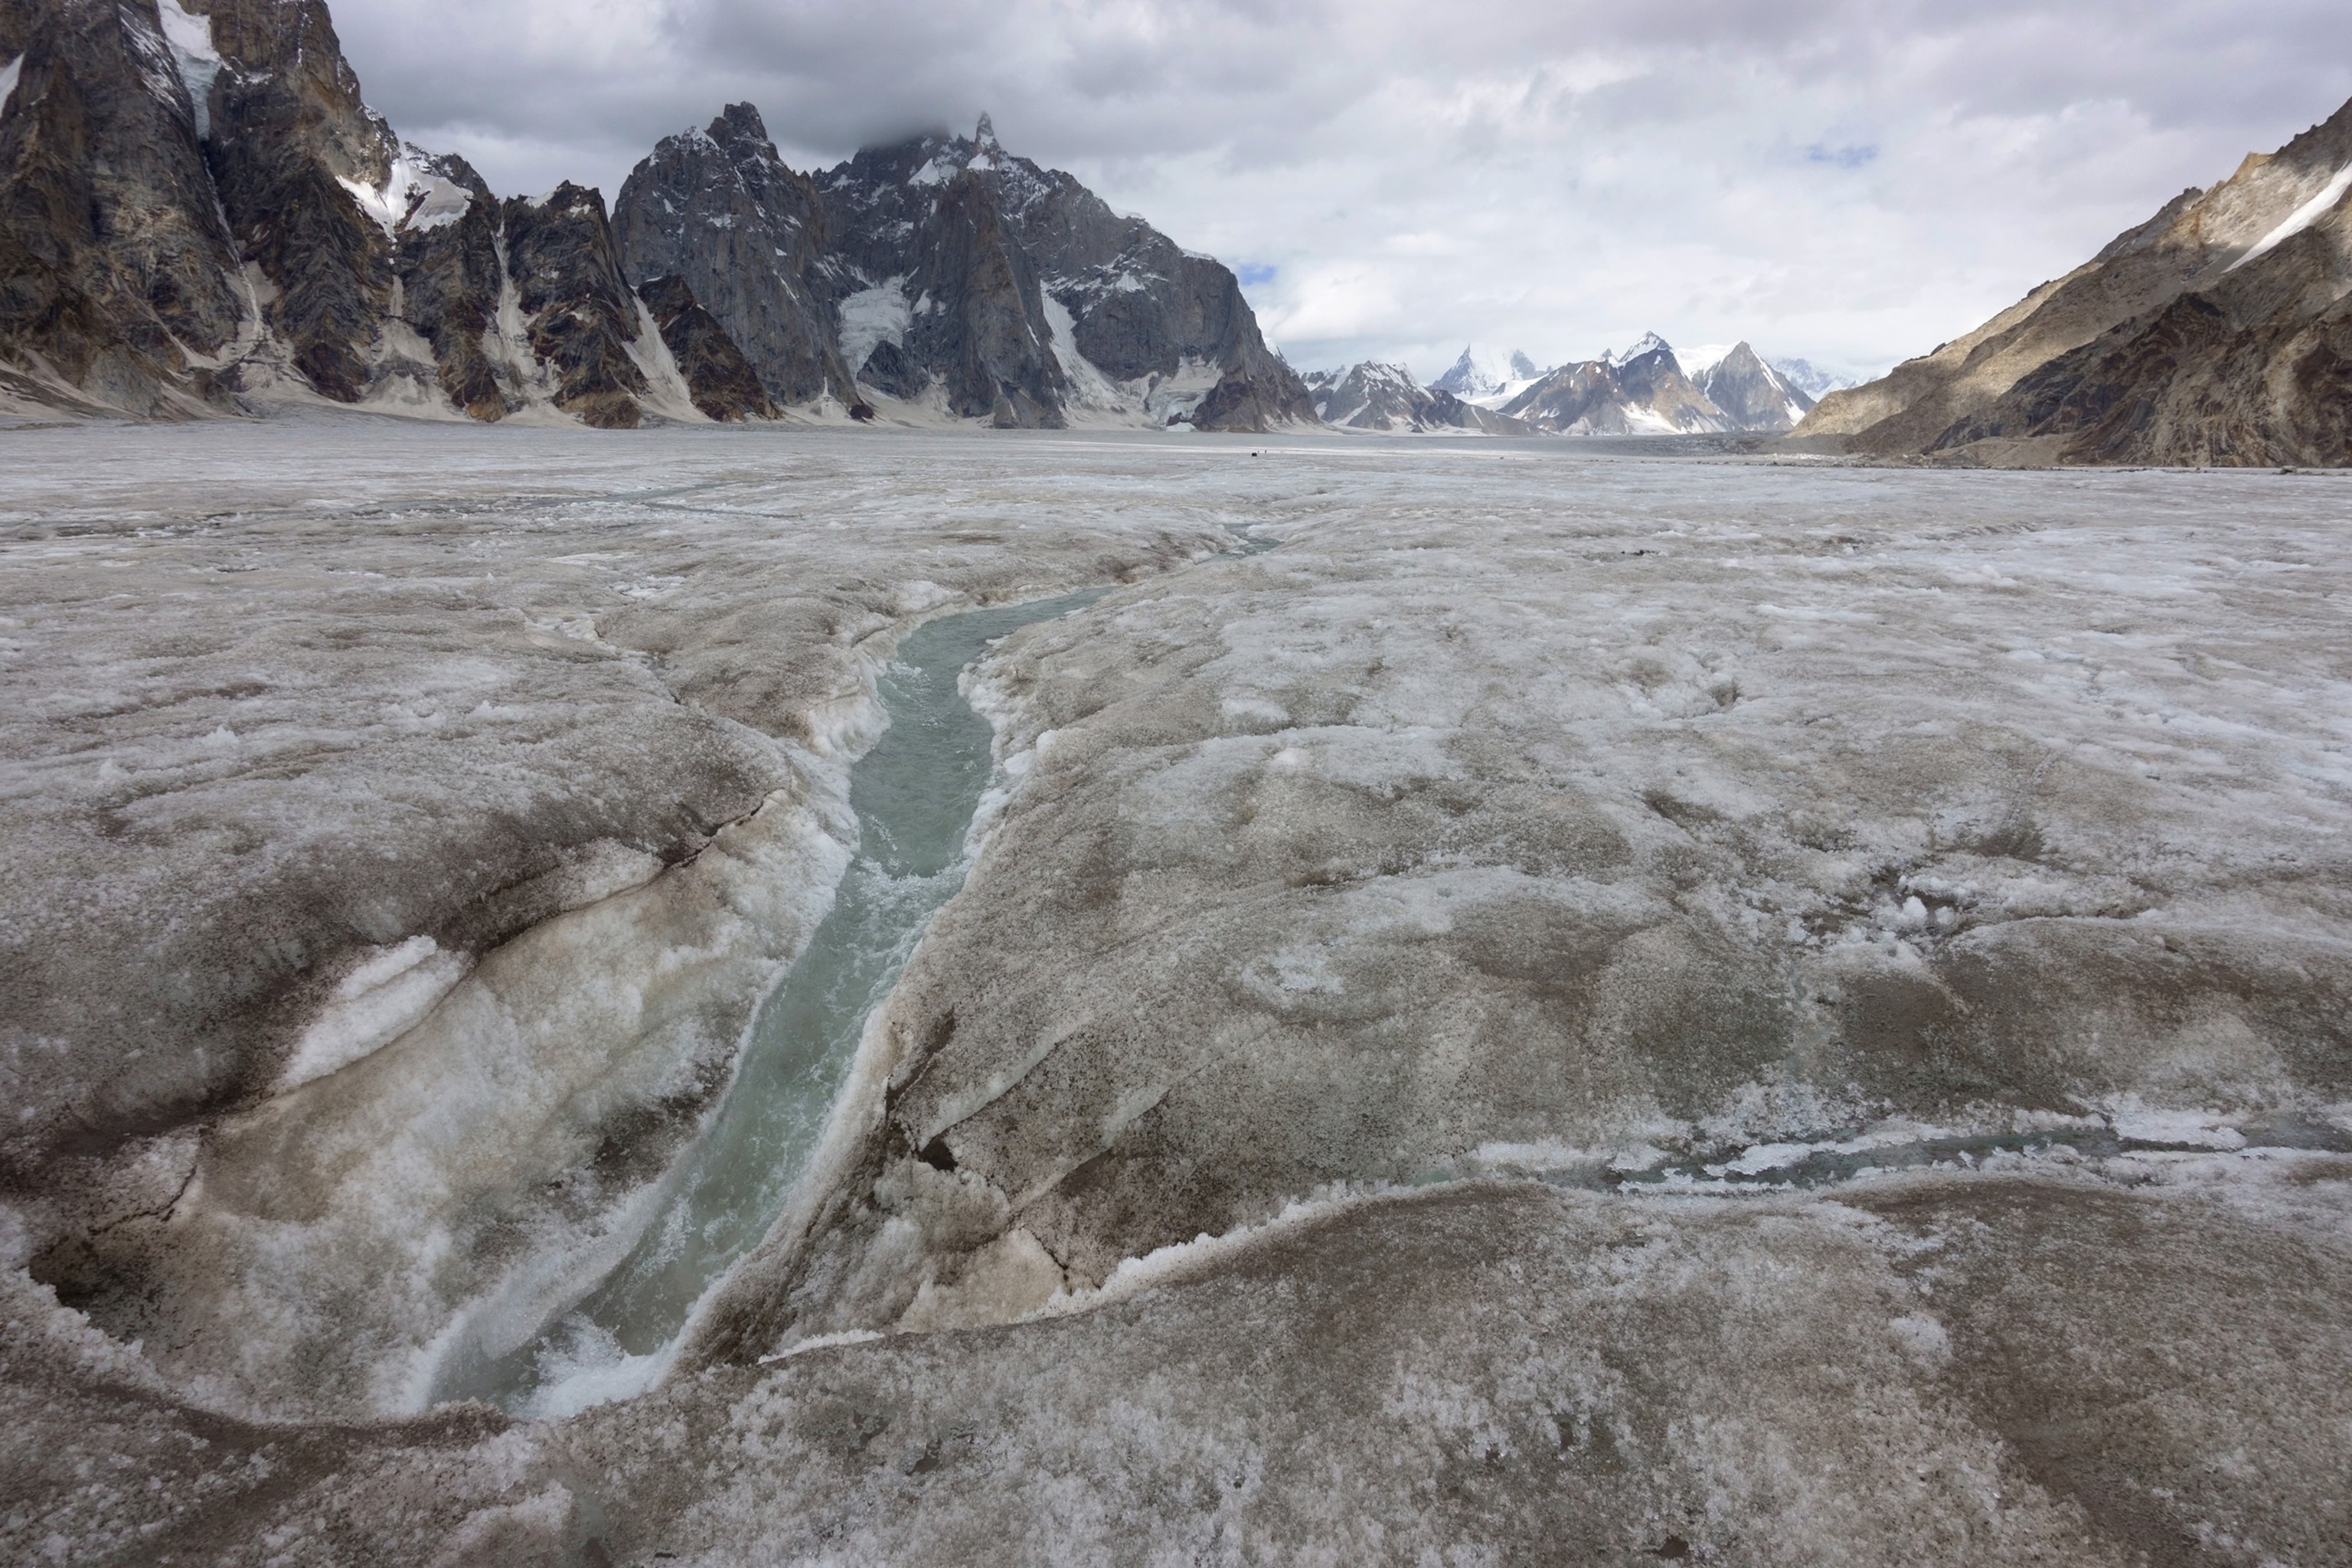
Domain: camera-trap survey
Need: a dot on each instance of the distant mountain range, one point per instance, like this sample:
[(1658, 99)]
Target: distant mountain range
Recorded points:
[(1646, 390), (199, 212), (2218, 333)]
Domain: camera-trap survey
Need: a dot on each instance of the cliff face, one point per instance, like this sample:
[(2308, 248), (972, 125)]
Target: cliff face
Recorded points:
[(718, 209), (1013, 293), (567, 281), (117, 276), (290, 144), (725, 383), (1751, 393), (196, 206), (2216, 332)]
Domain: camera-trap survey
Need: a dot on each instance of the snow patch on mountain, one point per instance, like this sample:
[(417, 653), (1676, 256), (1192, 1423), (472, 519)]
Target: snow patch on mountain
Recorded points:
[(191, 41), (1697, 362), (872, 317), (2302, 218), (1810, 379), (412, 197), (8, 74)]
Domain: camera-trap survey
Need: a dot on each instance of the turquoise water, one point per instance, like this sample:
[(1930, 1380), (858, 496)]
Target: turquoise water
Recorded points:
[(913, 795)]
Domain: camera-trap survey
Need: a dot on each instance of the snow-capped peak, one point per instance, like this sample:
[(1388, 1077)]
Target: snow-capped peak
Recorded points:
[(1812, 379), (1481, 371), (1697, 362), (1651, 343)]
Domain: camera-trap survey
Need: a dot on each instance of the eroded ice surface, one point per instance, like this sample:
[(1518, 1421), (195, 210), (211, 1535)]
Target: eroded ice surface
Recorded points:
[(1760, 1015), (914, 794)]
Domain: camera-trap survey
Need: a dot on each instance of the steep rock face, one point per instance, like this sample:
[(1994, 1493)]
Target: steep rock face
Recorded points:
[(198, 205), (724, 383), (584, 316), (450, 277), (1641, 392), (985, 332), (1374, 396), (2214, 334), (1751, 393), (718, 209), (1019, 294), (114, 266), (289, 140)]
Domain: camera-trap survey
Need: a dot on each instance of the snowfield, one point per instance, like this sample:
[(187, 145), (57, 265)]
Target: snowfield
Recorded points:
[(1510, 1007)]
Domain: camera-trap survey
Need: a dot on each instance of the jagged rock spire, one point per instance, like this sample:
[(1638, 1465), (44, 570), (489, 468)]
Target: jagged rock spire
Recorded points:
[(985, 137)]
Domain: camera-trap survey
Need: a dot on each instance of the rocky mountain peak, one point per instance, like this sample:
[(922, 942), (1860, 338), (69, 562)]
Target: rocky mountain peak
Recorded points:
[(1752, 394), (1650, 345), (721, 210), (1481, 373), (738, 128), (169, 151), (1386, 398)]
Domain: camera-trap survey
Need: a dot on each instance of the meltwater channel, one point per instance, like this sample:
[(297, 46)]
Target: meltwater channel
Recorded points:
[(915, 794)]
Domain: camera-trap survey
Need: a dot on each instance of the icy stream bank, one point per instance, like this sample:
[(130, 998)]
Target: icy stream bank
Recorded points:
[(915, 796)]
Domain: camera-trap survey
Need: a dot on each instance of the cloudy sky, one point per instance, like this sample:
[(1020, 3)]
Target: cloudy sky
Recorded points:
[(1851, 180)]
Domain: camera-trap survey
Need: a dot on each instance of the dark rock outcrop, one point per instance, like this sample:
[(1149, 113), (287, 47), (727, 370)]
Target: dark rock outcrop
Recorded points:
[(2216, 334), (722, 381), (1751, 393), (451, 276), (116, 272), (718, 209), (583, 315), (1021, 296), (289, 136), (196, 204)]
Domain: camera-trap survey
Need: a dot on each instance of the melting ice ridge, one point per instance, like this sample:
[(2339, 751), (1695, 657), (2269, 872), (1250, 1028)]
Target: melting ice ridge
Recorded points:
[(915, 796)]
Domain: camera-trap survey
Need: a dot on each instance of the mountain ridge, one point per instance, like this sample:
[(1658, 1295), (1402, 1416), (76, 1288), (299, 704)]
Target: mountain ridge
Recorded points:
[(200, 216), (2216, 332)]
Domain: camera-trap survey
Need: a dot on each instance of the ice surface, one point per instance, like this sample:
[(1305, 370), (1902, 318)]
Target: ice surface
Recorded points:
[(579, 709), (1416, 910), (915, 793), (1672, 806)]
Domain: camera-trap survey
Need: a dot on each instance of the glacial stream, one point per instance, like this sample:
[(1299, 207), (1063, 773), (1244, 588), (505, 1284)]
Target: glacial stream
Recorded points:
[(915, 794)]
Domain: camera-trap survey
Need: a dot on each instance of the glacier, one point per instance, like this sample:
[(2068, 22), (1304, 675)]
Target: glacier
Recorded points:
[(1507, 1000)]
